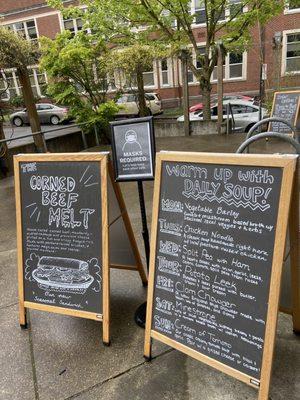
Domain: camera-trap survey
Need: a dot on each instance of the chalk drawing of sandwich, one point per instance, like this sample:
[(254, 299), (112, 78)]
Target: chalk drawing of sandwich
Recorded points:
[(63, 274)]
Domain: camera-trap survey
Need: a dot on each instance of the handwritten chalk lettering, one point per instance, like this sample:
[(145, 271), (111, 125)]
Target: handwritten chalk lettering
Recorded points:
[(258, 176), (28, 167), (52, 183), (186, 171), (65, 217), (223, 174), (172, 206), (225, 215), (168, 266)]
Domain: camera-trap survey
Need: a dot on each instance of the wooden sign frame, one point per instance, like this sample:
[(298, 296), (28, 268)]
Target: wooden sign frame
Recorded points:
[(288, 164), (23, 304), (134, 121), (297, 115)]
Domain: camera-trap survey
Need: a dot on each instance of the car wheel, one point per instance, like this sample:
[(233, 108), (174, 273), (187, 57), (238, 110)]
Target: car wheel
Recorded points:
[(17, 121), (248, 128), (54, 120)]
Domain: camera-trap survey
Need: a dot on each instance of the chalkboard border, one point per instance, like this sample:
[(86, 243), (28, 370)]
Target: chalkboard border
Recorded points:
[(297, 115), (288, 165), (133, 178), (102, 159)]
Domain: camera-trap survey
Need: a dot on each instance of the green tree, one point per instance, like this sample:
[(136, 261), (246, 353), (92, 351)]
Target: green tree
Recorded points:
[(131, 51), (77, 69), (170, 23), (16, 52), (228, 21)]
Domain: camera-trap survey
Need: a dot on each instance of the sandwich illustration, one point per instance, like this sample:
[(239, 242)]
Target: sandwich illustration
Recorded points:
[(63, 274)]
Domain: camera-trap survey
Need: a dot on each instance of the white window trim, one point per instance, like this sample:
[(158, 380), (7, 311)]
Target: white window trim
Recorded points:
[(154, 70), (169, 71), (34, 68), (227, 14), (62, 20), (26, 31), (226, 77), (283, 54), (287, 10), (227, 70)]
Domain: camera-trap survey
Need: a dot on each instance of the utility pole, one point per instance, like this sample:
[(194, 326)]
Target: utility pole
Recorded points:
[(262, 77), (185, 86), (220, 85)]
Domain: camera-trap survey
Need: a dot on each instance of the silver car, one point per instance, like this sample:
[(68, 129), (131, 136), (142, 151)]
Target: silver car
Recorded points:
[(48, 114), (245, 114)]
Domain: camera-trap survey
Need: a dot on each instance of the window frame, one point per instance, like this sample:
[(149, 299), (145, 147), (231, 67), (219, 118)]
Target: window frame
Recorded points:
[(25, 21), (16, 87), (168, 71), (285, 35), (289, 10), (227, 69)]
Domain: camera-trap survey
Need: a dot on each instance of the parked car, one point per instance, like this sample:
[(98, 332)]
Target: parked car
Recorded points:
[(245, 114), (130, 108), (48, 114), (214, 99)]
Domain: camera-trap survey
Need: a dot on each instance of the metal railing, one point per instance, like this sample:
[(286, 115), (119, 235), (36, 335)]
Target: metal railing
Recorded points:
[(43, 133)]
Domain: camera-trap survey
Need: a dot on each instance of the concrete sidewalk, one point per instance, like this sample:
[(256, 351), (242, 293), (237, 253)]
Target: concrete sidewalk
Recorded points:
[(61, 357)]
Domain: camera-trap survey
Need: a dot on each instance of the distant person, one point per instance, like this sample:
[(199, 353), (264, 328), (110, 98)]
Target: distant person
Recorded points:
[(131, 143)]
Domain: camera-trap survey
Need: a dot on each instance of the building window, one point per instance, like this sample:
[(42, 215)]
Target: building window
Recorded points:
[(26, 29), (233, 66), (73, 25), (9, 80), (294, 5), (235, 8), (149, 77), (292, 53), (165, 69), (199, 11)]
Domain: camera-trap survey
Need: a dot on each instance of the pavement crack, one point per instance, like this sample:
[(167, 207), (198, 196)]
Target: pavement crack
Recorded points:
[(33, 367), (8, 305), (111, 378)]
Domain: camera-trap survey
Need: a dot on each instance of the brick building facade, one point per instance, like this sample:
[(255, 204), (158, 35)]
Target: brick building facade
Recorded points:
[(34, 18)]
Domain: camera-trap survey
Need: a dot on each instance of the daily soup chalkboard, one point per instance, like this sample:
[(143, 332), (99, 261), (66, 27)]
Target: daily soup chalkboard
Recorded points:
[(286, 105), (218, 232), (61, 205)]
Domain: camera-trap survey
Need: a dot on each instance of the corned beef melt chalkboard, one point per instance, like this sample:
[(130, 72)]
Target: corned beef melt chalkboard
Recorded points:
[(286, 105), (61, 202), (218, 233)]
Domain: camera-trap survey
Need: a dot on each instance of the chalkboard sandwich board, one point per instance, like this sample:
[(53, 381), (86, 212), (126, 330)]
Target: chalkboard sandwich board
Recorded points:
[(286, 105), (133, 149), (218, 231), (62, 234)]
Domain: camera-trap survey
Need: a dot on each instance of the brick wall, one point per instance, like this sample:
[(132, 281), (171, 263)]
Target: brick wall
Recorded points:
[(48, 26)]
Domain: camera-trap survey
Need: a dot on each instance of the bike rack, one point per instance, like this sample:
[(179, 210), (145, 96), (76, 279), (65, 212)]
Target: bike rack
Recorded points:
[(267, 135)]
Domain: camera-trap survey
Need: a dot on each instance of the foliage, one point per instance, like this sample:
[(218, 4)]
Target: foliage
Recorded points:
[(130, 53), (77, 69), (15, 52)]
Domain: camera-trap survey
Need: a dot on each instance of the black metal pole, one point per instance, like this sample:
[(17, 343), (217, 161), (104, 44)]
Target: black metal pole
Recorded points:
[(140, 314)]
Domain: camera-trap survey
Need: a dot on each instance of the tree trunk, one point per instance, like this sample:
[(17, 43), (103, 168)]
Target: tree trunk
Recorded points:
[(3, 153), (206, 92), (31, 109), (143, 109)]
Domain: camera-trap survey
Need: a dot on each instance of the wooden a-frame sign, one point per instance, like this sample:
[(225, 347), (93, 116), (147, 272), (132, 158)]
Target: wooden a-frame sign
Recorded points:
[(296, 115), (72, 226), (184, 217)]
